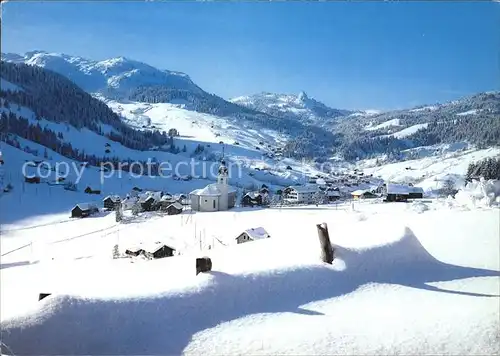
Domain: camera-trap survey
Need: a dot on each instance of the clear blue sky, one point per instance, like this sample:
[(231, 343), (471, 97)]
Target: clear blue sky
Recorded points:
[(363, 55)]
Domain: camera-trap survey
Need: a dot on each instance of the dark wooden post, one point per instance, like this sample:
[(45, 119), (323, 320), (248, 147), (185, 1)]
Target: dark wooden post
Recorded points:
[(43, 295), (324, 241), (203, 264)]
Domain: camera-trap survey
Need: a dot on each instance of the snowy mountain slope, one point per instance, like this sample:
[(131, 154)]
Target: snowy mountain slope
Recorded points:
[(314, 130), (117, 75), (289, 106), (197, 126), (122, 79), (258, 288), (432, 170)]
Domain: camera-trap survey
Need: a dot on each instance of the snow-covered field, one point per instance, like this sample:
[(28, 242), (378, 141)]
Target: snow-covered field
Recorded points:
[(429, 172), (405, 280)]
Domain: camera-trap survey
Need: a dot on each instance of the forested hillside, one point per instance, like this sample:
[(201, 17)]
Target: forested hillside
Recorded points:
[(54, 97)]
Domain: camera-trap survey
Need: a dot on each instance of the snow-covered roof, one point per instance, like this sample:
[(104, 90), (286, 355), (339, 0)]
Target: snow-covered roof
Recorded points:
[(86, 206), (309, 188), (149, 246), (114, 198), (167, 197), (146, 197), (398, 189), (359, 192), (253, 195), (176, 205), (417, 190), (333, 193), (257, 233), (212, 190)]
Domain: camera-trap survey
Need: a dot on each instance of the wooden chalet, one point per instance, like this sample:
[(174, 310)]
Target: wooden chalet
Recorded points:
[(258, 233), (174, 208), (83, 210), (416, 193), (151, 251), (111, 202), (149, 203), (362, 194), (251, 199), (397, 193)]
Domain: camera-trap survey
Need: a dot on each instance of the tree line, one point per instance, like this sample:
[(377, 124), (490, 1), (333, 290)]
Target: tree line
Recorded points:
[(488, 168)]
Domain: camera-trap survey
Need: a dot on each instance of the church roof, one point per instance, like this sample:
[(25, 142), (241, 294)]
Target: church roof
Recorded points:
[(211, 190)]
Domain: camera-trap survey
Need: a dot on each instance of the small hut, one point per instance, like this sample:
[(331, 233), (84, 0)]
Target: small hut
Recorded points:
[(258, 233), (148, 203), (89, 190), (111, 202), (362, 194), (151, 250), (174, 208), (416, 193), (83, 210), (397, 193), (251, 199)]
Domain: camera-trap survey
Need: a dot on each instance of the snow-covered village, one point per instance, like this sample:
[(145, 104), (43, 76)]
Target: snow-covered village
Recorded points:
[(147, 212)]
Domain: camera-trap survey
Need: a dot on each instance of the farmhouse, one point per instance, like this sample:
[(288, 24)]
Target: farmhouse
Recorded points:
[(362, 194), (165, 201), (215, 197), (152, 251), (416, 193), (148, 202), (397, 192), (332, 194), (111, 202), (257, 233), (83, 210), (251, 199), (174, 208), (301, 194)]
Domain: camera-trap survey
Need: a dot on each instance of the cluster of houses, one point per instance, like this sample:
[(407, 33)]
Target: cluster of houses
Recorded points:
[(256, 198), (320, 193), (151, 250), (144, 201)]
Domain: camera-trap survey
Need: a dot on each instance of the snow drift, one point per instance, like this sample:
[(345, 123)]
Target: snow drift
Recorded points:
[(167, 322), (482, 193)]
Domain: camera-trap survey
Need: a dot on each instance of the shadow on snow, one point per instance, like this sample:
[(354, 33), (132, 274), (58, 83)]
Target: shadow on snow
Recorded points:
[(166, 324)]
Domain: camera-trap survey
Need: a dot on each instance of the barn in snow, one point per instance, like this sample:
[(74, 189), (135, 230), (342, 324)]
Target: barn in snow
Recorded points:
[(83, 210), (174, 208), (111, 201), (258, 233), (152, 251)]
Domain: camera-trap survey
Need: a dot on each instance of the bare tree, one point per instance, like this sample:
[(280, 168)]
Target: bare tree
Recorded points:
[(448, 188)]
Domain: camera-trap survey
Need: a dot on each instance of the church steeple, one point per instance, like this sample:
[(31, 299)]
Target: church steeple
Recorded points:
[(223, 173)]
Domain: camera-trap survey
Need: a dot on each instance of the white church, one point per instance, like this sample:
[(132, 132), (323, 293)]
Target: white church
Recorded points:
[(216, 196)]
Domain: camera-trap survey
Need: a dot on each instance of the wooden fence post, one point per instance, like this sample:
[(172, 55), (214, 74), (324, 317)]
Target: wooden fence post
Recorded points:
[(203, 264), (326, 246)]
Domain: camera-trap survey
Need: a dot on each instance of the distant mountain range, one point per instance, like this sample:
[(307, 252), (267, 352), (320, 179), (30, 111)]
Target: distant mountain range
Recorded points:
[(289, 106), (115, 76), (313, 128)]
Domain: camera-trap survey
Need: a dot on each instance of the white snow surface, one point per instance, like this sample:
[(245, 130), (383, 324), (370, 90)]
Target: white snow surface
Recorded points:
[(409, 130), (469, 112), (383, 125), (431, 171), (264, 297)]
